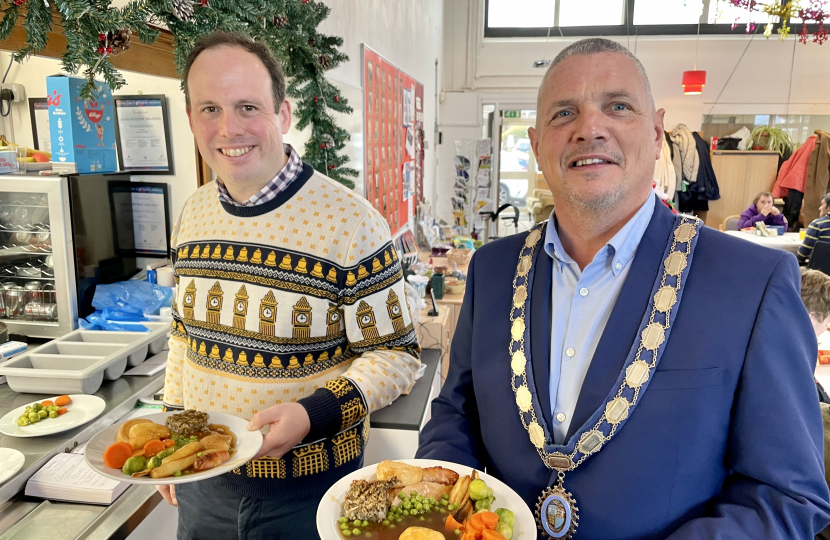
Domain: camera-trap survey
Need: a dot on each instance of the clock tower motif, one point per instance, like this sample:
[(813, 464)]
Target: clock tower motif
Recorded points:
[(366, 321), (240, 308), (393, 306), (189, 299), (333, 318), (302, 319), (214, 303), (267, 314)]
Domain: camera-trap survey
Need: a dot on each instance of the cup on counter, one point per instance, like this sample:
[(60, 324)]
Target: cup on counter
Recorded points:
[(802, 233), (15, 302), (21, 159), (164, 276)]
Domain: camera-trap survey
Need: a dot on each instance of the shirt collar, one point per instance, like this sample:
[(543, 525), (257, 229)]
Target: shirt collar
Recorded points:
[(290, 171), (620, 248)]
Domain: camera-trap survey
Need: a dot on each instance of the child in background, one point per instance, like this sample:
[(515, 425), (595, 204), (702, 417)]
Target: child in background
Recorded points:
[(763, 210)]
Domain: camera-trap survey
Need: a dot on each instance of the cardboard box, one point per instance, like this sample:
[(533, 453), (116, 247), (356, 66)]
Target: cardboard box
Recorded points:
[(82, 131)]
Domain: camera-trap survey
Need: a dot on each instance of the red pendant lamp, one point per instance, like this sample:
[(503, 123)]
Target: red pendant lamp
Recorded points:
[(694, 81)]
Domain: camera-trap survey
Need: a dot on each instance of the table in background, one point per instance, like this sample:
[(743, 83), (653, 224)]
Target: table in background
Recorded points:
[(788, 242)]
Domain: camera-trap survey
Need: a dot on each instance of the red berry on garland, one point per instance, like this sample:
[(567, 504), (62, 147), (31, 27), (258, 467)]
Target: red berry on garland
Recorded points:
[(102, 37), (315, 99), (100, 50), (331, 167), (18, 2), (109, 50), (336, 99), (323, 146), (203, 3), (305, 1)]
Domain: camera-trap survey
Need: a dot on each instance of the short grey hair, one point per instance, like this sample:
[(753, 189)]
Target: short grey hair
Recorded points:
[(595, 46)]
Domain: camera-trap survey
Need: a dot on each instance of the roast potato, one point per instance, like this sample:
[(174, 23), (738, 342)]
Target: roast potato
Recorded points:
[(420, 533), (167, 468), (124, 430), (407, 474), (141, 434), (190, 449), (224, 430), (216, 441)]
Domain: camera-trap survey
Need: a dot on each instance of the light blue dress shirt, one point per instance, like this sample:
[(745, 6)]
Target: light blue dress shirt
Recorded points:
[(581, 305)]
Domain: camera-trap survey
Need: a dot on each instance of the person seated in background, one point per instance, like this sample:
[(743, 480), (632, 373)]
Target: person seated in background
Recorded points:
[(815, 294), (818, 231), (762, 209)]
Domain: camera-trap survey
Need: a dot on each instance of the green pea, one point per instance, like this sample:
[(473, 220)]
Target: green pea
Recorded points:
[(23, 421), (365, 523), (357, 523), (407, 505), (427, 507), (198, 454), (398, 520), (344, 526), (444, 502), (442, 510), (356, 531), (343, 520), (445, 496), (368, 535), (347, 532), (413, 493), (421, 518), (186, 472), (406, 512), (53, 414), (392, 526), (419, 506), (402, 495), (177, 473), (458, 532), (43, 414), (385, 523)]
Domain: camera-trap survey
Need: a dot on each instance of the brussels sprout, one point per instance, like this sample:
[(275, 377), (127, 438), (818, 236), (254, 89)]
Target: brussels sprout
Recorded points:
[(53, 414), (51, 408), (483, 504), (42, 413), (478, 489), (36, 407), (23, 421), (505, 515), (505, 530), (34, 418), (134, 465)]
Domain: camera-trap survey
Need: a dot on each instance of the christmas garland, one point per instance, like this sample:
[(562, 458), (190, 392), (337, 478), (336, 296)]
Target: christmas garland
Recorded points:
[(814, 11), (95, 31)]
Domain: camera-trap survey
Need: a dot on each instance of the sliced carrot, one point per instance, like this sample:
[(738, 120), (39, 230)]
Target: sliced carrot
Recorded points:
[(46, 403), (117, 454), (489, 519), (153, 447), (168, 442), (476, 535), (452, 524), (136, 453), (488, 534), (62, 400), (62, 411), (475, 523)]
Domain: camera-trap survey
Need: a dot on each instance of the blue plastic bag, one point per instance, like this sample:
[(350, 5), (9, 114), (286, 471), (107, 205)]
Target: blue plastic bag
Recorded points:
[(135, 298), (97, 321)]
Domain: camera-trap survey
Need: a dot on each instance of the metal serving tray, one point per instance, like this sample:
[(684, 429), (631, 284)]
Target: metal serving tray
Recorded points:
[(78, 362)]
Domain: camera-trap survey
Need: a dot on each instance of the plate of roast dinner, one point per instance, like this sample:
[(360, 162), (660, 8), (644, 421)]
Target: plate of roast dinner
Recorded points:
[(423, 499), (172, 447)]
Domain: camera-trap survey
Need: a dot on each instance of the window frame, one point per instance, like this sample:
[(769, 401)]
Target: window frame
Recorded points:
[(627, 29)]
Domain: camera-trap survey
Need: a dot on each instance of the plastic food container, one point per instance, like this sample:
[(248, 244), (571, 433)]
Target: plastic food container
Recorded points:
[(78, 362)]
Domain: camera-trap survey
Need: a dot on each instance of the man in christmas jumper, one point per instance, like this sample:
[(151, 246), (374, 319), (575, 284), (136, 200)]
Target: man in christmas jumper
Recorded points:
[(289, 310)]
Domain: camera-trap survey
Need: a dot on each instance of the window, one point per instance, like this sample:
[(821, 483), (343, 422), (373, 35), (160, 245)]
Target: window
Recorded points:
[(578, 18), (590, 12), (520, 13), (667, 11)]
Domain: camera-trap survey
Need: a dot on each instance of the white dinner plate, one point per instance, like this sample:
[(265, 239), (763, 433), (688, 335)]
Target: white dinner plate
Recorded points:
[(248, 444), (81, 410), (331, 506), (10, 462)]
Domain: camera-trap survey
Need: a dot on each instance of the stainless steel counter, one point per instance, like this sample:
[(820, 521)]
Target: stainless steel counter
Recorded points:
[(26, 517)]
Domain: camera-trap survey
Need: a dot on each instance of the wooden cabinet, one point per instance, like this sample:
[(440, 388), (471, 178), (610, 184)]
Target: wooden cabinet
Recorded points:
[(741, 176)]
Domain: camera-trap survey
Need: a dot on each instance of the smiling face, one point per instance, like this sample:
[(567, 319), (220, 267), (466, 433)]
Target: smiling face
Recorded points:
[(233, 118), (597, 136)]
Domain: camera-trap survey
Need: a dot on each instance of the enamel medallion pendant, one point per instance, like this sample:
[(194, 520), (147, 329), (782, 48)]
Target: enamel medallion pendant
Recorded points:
[(556, 514)]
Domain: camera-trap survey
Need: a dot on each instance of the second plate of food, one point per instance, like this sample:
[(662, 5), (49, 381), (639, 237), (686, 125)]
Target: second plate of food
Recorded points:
[(54, 415), (172, 448)]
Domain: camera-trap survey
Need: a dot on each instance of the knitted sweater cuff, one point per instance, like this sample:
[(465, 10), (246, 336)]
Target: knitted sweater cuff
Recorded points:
[(324, 413)]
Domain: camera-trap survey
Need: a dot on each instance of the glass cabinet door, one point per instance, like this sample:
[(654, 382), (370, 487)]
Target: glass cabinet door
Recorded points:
[(27, 268)]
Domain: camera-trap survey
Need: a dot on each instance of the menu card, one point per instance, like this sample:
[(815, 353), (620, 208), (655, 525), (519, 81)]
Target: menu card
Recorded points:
[(67, 477)]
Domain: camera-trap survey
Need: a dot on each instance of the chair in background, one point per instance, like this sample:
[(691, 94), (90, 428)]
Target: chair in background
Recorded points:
[(730, 223), (820, 258)]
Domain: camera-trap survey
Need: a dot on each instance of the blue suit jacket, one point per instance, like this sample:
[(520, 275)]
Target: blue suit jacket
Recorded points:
[(727, 440)]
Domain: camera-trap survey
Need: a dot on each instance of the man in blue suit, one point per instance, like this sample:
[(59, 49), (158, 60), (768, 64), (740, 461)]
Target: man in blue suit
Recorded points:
[(630, 373)]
